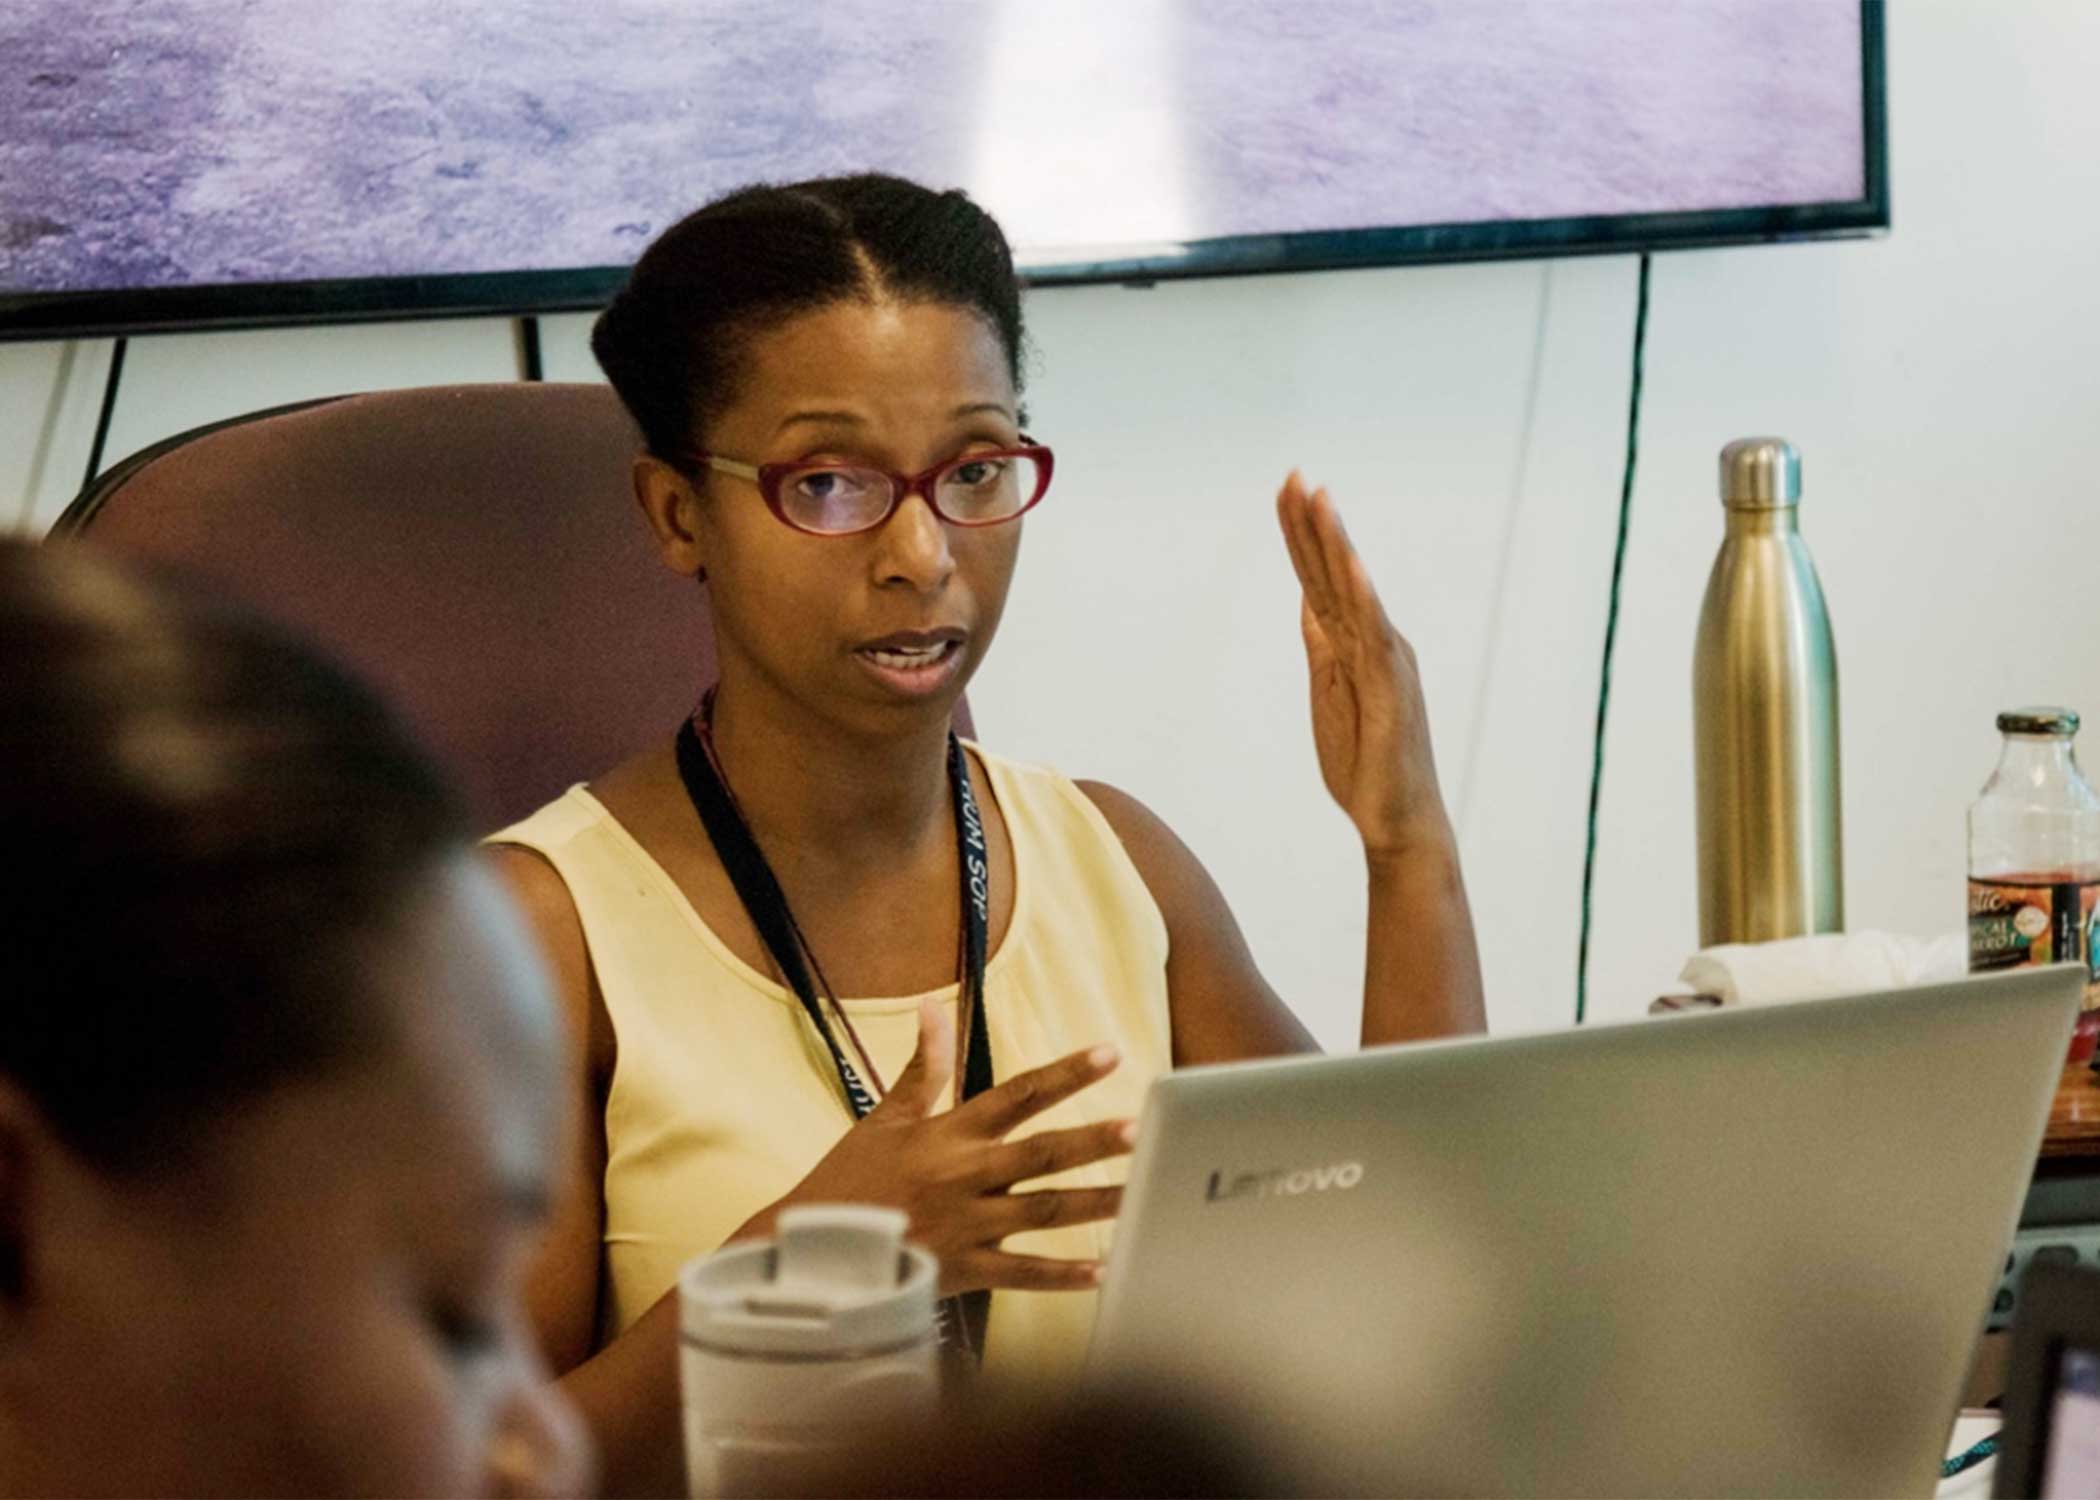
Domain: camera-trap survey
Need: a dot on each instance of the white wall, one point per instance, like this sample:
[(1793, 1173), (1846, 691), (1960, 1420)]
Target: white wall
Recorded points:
[(1470, 420)]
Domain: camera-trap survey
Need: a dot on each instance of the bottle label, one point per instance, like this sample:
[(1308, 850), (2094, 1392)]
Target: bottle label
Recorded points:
[(2033, 920)]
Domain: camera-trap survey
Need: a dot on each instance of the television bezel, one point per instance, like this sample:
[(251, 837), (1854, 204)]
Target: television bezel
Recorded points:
[(105, 313)]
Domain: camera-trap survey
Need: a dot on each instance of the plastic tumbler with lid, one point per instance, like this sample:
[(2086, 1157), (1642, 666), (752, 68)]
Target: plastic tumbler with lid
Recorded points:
[(803, 1345), (2034, 859)]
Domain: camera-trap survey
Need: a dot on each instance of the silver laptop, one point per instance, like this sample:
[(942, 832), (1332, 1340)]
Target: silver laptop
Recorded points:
[(1740, 1252)]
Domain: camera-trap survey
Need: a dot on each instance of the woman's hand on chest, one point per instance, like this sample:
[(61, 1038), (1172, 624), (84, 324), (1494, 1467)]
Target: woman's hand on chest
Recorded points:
[(953, 1173)]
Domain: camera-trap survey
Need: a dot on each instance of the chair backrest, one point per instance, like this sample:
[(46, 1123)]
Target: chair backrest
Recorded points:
[(473, 551)]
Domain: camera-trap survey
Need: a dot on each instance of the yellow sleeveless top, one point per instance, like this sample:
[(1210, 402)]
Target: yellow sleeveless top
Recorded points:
[(723, 1097)]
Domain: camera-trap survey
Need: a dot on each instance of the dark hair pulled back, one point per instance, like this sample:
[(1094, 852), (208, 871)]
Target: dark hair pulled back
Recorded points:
[(202, 828), (673, 338)]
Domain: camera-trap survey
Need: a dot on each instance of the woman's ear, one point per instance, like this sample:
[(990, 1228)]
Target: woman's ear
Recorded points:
[(671, 506)]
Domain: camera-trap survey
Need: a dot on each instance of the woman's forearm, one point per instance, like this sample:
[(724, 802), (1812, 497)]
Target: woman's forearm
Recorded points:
[(628, 1395), (1421, 965)]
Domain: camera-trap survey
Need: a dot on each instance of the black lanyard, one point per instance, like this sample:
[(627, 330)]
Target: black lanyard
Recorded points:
[(961, 1319)]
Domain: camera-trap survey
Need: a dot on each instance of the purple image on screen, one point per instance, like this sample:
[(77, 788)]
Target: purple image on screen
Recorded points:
[(2072, 1471), (152, 143)]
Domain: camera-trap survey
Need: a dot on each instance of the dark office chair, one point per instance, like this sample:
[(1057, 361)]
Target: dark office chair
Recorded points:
[(474, 551)]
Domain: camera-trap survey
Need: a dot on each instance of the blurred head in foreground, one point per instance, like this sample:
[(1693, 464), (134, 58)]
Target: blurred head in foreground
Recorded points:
[(276, 1074)]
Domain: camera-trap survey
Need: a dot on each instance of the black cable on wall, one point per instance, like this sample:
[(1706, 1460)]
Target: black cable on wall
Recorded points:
[(109, 410), (1611, 640), (530, 366)]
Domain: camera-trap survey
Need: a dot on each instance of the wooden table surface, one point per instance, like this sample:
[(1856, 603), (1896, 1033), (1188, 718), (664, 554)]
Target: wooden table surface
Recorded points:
[(2074, 1119)]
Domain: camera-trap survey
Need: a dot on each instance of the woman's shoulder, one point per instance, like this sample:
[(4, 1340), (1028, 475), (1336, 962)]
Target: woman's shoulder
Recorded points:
[(616, 801), (573, 838), (1169, 868), (1042, 791), (1162, 862), (1123, 814), (1175, 878), (551, 824)]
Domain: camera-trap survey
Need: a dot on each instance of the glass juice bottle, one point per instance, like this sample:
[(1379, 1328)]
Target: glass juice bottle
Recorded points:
[(2034, 860)]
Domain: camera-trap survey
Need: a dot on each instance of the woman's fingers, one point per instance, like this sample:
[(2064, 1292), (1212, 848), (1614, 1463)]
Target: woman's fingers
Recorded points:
[(1374, 630), (1335, 581), (999, 1111), (1296, 507), (1337, 555), (923, 1084), (1319, 649), (997, 1270), (1338, 590), (1297, 539), (1051, 1208), (1049, 1152), (1358, 611)]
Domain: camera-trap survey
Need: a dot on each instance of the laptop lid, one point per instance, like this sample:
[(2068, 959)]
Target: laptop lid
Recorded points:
[(1738, 1252)]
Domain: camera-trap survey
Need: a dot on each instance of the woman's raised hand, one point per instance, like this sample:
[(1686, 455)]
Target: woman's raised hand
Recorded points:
[(1369, 724), (952, 1172)]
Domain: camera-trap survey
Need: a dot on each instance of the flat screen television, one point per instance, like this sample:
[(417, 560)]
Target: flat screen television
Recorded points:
[(171, 164)]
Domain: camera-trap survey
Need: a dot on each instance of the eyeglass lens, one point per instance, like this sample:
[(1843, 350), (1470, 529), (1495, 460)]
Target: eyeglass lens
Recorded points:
[(841, 498)]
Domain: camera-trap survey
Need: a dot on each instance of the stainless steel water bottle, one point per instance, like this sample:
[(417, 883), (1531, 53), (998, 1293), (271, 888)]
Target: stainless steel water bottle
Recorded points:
[(1765, 716)]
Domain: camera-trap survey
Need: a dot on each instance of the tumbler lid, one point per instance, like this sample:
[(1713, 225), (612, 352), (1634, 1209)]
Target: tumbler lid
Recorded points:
[(1760, 473), (836, 1283), (2062, 722)]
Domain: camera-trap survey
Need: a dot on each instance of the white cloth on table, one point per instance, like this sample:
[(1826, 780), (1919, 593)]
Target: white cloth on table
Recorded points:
[(1828, 964)]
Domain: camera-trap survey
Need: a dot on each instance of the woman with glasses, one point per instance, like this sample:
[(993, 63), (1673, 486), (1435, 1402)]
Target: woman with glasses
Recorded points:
[(816, 949)]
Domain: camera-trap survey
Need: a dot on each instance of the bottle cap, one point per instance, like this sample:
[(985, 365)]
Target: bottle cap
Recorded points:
[(1760, 473), (837, 1283), (2042, 720)]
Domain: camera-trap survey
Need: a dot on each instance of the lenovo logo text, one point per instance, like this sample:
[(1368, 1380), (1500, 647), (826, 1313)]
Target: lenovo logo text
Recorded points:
[(1285, 1183)]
